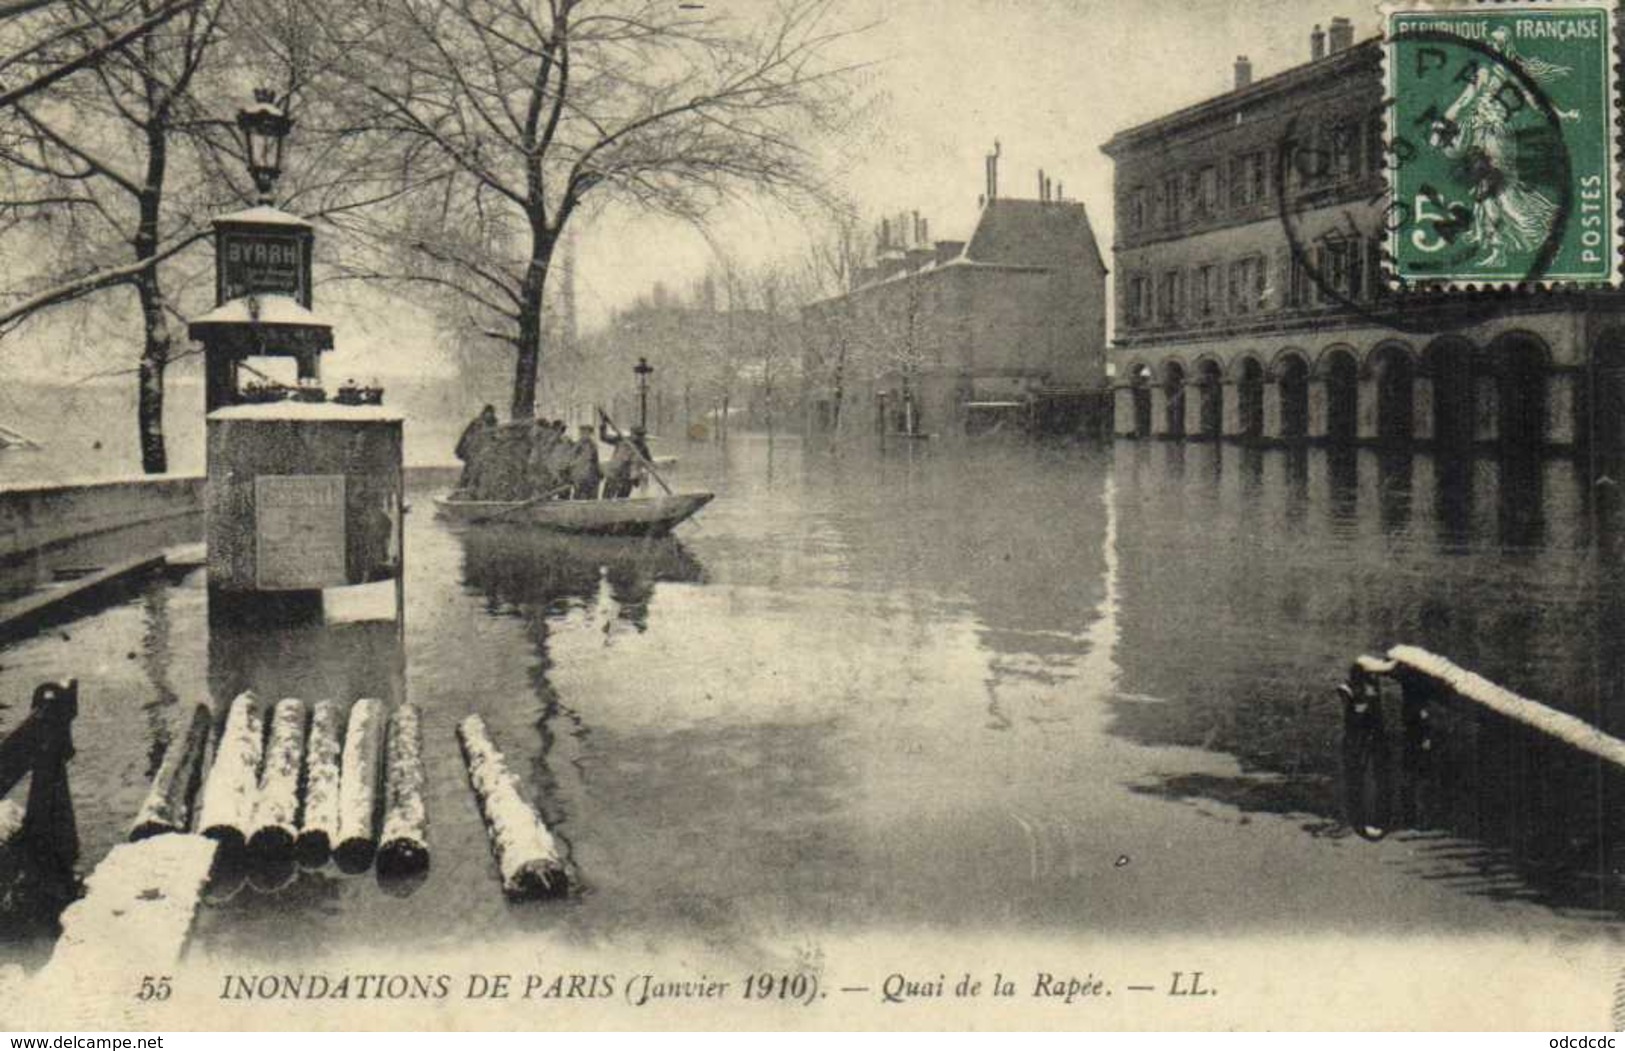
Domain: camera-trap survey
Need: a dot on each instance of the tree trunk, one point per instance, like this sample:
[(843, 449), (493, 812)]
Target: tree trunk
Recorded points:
[(527, 364), (149, 412)]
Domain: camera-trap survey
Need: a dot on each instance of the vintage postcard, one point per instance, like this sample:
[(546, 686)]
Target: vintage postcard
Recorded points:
[(811, 515)]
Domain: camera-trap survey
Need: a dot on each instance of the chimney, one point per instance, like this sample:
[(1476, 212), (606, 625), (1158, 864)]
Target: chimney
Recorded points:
[(919, 238), (1341, 35), (1060, 191), (1317, 43), (885, 234), (925, 231), (1049, 188), (1244, 71), (993, 173)]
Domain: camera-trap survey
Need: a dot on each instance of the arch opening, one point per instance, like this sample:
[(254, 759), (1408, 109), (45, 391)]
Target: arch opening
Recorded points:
[(1210, 384), (1395, 375), (1342, 397), (1292, 387), (1250, 398), (1173, 387)]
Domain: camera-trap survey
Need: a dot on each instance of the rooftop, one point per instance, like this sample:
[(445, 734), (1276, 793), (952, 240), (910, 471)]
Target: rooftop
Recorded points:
[(1334, 66)]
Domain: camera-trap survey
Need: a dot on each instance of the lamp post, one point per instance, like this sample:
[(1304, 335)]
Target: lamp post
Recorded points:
[(643, 369), (264, 126)]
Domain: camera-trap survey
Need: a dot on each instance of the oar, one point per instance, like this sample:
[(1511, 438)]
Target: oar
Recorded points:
[(637, 452)]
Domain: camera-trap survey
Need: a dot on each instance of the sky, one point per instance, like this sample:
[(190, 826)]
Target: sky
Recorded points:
[(1051, 80)]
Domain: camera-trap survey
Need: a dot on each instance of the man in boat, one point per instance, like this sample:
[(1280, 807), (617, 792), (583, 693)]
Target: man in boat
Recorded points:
[(544, 476), (626, 464), (475, 440), (584, 471)]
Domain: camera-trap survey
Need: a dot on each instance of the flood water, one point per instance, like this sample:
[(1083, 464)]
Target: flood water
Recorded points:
[(1002, 687)]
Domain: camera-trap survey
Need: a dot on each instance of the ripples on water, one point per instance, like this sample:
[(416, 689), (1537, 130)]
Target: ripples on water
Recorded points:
[(1003, 687)]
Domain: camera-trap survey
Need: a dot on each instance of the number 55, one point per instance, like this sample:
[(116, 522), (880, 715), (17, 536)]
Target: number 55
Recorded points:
[(154, 988)]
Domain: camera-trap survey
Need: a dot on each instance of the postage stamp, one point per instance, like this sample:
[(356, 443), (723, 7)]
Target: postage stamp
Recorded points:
[(1500, 138)]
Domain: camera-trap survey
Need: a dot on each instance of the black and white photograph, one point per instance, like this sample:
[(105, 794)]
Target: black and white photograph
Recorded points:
[(809, 515)]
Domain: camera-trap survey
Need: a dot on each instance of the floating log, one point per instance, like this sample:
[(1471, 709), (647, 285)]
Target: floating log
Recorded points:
[(168, 807), (358, 786), (229, 794), (320, 823), (403, 845), (526, 855), (276, 812)]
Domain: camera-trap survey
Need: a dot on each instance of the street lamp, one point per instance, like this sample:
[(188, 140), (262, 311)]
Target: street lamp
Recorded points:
[(264, 125), (643, 369)]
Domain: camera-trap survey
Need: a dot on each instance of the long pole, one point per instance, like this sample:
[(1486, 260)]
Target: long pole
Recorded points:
[(636, 452)]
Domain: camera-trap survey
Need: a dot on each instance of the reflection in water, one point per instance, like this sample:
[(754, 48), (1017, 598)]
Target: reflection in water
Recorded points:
[(342, 662), (948, 687), (1279, 609), (1436, 763), (541, 577), (546, 572)]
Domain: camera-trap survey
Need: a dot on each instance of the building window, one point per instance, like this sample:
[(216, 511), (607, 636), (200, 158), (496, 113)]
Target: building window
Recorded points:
[(1345, 144), (1249, 174), (1139, 209), (1207, 291), (1139, 300), (1343, 265), (1298, 283), (1172, 195), (1240, 188), (1247, 289), (1207, 191), (1170, 296)]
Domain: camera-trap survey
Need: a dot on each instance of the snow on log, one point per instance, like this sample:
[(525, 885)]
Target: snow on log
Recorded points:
[(229, 794), (1470, 686), (138, 908), (319, 826), (358, 786), (403, 845), (526, 855), (276, 813), (168, 807)]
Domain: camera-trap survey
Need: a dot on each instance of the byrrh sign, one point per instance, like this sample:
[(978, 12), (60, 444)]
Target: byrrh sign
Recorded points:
[(254, 257), (260, 263)]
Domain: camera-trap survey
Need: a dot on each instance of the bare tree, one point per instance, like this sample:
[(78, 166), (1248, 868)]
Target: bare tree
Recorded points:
[(541, 108), (88, 166), (99, 34), (830, 337), (109, 176)]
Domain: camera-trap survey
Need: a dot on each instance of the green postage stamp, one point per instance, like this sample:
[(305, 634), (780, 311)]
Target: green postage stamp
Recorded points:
[(1500, 144)]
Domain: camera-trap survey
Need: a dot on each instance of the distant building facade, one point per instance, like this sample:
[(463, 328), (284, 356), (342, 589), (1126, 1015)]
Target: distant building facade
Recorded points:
[(1224, 330), (952, 336)]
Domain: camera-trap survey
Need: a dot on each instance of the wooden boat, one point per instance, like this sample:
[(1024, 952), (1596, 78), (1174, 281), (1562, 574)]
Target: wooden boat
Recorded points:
[(635, 516)]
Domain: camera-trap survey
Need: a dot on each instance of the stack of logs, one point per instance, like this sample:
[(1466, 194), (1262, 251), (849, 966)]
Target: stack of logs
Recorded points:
[(298, 784)]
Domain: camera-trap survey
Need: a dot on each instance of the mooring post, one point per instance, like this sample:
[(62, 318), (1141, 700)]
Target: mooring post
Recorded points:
[(1367, 788), (49, 829)]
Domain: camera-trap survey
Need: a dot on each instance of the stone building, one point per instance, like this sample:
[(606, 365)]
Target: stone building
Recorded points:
[(1249, 295), (944, 337)]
